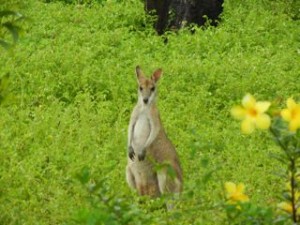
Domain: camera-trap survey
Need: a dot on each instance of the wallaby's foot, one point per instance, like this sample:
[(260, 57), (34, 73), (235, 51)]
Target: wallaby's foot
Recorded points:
[(131, 153)]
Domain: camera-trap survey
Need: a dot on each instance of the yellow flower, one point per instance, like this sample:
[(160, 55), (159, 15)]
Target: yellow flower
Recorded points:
[(252, 113), (235, 193), (286, 206), (292, 114)]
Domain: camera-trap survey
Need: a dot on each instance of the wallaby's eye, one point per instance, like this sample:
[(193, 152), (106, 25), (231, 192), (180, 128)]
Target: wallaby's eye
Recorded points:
[(141, 88), (153, 89)]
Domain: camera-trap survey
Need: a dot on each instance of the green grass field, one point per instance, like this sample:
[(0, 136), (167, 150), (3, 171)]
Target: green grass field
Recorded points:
[(72, 87)]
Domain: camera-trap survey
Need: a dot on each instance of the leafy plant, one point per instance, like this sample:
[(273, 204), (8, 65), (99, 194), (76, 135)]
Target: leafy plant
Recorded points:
[(287, 137), (88, 2), (9, 21), (107, 207)]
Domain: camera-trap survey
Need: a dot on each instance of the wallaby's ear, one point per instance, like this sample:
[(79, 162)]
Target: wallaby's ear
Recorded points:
[(156, 75), (139, 73)]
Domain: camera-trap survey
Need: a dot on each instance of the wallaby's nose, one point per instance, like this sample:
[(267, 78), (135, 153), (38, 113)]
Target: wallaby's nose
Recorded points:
[(145, 100)]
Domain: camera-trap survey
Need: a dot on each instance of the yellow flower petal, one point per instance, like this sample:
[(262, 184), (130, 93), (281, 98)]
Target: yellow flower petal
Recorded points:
[(240, 187), (292, 114), (262, 107), (247, 126), (248, 101), (263, 121), (230, 187), (238, 112), (234, 193), (243, 198), (286, 114), (252, 113), (291, 104), (294, 125)]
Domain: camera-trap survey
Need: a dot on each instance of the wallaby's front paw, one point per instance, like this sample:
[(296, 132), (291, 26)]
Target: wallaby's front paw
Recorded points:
[(131, 153), (142, 156)]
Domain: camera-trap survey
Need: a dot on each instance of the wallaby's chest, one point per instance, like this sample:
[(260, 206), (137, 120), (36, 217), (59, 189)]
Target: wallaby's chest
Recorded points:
[(141, 130)]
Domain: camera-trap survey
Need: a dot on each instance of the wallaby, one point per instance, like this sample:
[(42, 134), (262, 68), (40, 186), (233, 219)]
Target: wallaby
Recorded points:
[(153, 166)]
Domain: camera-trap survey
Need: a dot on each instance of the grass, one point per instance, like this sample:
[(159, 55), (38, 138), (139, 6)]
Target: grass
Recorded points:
[(72, 88)]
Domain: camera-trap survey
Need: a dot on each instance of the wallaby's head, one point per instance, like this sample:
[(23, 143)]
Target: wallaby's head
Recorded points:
[(147, 87)]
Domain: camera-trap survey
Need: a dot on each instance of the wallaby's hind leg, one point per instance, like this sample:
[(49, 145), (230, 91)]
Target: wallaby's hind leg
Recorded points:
[(130, 178), (167, 185), (162, 180)]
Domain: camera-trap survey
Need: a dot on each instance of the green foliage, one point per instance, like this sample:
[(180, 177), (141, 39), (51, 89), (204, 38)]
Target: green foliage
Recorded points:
[(107, 207), (80, 2), (72, 88), (4, 81), (250, 214), (9, 25)]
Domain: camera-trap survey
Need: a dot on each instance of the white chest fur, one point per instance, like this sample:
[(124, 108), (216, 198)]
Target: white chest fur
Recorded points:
[(141, 131)]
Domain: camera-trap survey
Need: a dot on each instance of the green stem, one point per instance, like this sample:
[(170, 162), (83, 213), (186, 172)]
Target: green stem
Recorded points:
[(292, 169), (293, 187), (280, 143)]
